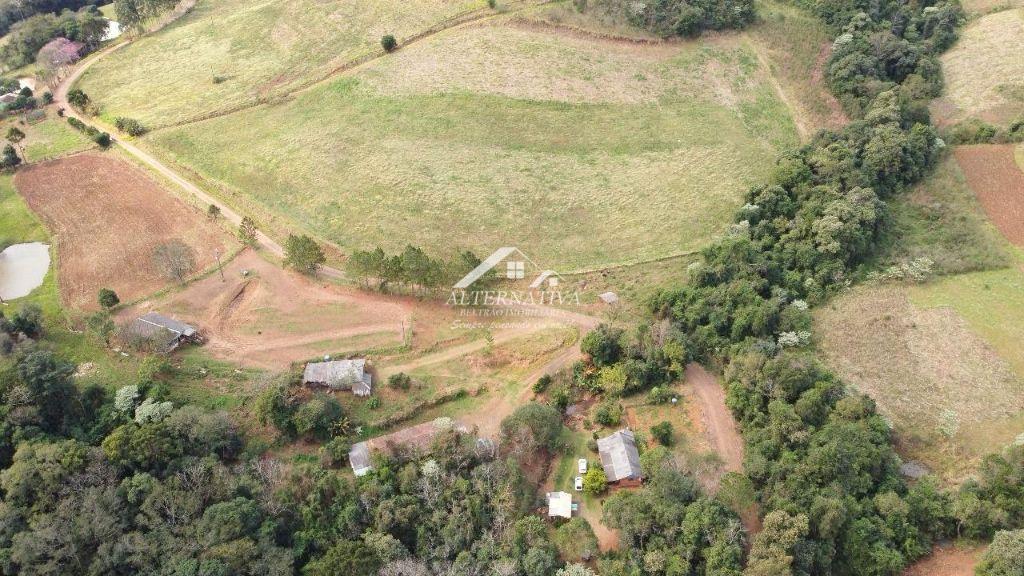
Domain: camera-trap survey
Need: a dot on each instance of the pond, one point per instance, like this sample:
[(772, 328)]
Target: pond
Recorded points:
[(22, 269)]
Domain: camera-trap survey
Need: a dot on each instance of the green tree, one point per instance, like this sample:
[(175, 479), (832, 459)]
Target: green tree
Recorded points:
[(663, 433), (78, 99), (303, 254), (345, 557), (15, 136), (10, 158), (595, 481), (247, 231), (1005, 556), (317, 416), (388, 42), (603, 345), (108, 298)]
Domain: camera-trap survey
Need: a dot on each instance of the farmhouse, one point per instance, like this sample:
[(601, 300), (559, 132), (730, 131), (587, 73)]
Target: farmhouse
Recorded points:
[(559, 505), (339, 375), (165, 333), (619, 457), (415, 438)]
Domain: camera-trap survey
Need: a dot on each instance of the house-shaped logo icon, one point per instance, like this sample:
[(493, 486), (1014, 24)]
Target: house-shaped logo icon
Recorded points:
[(510, 263)]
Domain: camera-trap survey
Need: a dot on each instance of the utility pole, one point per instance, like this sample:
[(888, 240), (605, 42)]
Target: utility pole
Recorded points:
[(220, 268)]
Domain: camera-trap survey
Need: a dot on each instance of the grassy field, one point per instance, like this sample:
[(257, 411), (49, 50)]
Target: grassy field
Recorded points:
[(796, 46), (233, 52), (952, 392), (942, 359), (575, 168), (941, 219), (976, 8), (52, 138), (984, 71)]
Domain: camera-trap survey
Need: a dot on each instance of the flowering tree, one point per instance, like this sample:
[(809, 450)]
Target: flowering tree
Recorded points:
[(55, 59)]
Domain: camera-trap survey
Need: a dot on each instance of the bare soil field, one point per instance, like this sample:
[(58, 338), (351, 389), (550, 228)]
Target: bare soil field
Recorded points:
[(263, 316), (993, 174), (107, 217), (947, 560)]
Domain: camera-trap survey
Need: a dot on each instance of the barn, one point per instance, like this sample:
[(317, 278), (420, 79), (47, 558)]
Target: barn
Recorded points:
[(340, 375), (165, 334)]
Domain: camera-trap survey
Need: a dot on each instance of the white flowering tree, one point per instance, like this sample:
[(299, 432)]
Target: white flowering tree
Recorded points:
[(126, 398), (151, 411)]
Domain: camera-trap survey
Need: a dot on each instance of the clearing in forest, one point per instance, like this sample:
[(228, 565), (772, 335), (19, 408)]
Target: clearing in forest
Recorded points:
[(942, 360), (107, 217)]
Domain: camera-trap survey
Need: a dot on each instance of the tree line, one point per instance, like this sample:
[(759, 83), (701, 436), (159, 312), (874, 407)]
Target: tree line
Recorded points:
[(668, 18), (821, 457), (411, 269)]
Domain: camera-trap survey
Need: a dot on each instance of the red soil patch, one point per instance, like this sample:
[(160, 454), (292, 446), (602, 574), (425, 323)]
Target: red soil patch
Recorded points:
[(993, 175), (107, 217), (837, 117), (946, 560), (269, 317), (717, 420)]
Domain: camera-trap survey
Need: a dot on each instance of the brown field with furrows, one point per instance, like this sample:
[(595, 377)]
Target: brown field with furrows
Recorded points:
[(107, 217), (994, 176)]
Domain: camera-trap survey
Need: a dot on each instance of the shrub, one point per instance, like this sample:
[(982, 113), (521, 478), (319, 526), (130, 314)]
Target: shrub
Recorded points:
[(108, 298), (47, 97), (1005, 557), (659, 395), (103, 139), (595, 481), (78, 99), (129, 126), (662, 432), (400, 381), (608, 414), (373, 403), (542, 384), (388, 42), (10, 158)]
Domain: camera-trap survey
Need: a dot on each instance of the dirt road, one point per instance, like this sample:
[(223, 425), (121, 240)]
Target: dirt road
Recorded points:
[(718, 421), (60, 96)]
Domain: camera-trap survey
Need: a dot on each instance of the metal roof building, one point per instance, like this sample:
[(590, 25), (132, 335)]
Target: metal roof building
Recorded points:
[(619, 456), (340, 375), (418, 437), (164, 332), (559, 505)]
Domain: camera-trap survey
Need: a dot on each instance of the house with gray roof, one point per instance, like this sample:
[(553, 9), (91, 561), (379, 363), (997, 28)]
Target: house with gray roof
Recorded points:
[(163, 332), (416, 438), (619, 456), (340, 375)]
